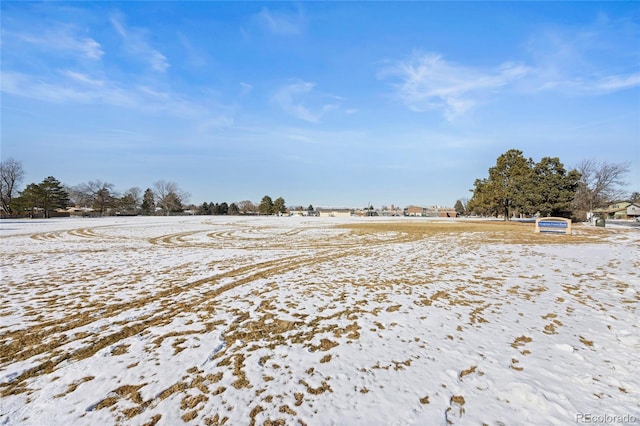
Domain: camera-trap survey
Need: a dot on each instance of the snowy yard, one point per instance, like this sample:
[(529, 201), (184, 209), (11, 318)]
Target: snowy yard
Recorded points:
[(238, 321)]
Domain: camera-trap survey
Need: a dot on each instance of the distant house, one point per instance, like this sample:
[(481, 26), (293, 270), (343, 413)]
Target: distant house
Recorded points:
[(415, 211), (392, 211), (331, 212), (621, 210), (438, 211), (301, 212), (79, 211)]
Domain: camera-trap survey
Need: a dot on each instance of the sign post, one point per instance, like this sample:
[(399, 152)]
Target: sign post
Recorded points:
[(558, 225)]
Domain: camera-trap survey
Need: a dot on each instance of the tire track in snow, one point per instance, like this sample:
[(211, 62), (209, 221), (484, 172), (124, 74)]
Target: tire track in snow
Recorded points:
[(14, 351)]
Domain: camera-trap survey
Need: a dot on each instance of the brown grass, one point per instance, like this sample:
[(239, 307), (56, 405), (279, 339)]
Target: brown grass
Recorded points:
[(197, 297), (491, 231), (468, 371)]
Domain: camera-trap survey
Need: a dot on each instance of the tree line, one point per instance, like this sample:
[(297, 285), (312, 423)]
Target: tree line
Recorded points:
[(163, 198), (515, 186), (519, 186)]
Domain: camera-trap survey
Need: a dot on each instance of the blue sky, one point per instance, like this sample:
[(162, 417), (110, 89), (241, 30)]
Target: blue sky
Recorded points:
[(323, 103)]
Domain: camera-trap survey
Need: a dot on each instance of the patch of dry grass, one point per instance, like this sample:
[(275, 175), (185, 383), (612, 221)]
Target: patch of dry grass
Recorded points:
[(486, 231)]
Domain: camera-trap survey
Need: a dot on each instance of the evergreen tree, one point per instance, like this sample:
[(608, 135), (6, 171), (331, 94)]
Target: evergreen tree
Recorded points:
[(234, 209), (483, 202), (279, 206), (555, 189), (54, 195), (204, 209), (48, 195), (171, 203), (459, 208), (266, 206), (130, 202), (518, 185), (148, 203), (29, 199), (127, 204), (507, 188), (223, 209)]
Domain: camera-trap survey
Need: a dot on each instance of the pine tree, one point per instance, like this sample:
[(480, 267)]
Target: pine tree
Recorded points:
[(266, 206), (507, 188), (555, 189), (279, 206), (48, 195), (518, 185), (223, 209), (459, 207), (148, 204)]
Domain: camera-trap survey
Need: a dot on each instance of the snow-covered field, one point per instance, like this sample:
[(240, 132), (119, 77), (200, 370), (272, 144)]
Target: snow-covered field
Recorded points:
[(238, 321)]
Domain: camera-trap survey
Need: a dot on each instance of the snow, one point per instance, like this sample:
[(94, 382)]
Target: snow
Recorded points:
[(200, 319)]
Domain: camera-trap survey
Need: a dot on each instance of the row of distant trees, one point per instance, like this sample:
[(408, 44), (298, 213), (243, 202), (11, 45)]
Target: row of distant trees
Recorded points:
[(50, 194), (267, 206), (515, 186), (163, 197), (518, 186)]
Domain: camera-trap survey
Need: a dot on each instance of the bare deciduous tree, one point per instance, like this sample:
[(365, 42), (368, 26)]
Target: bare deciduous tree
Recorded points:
[(135, 193), (11, 175), (130, 201), (169, 197), (98, 194), (246, 207), (600, 183)]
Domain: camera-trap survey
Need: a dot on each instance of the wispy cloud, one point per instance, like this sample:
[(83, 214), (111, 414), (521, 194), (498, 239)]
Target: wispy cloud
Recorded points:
[(195, 56), (289, 99), (592, 59), (426, 81), (135, 42), (82, 78), (301, 101), (617, 82), (566, 65), (245, 88), (59, 37), (72, 87), (281, 22)]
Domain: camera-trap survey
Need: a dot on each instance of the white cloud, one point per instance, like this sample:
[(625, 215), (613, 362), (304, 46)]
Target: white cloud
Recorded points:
[(79, 88), (593, 59), (288, 98), (301, 100), (82, 78), (195, 56), (245, 88), (280, 22), (428, 82), (618, 82), (61, 38), (76, 88), (135, 42)]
